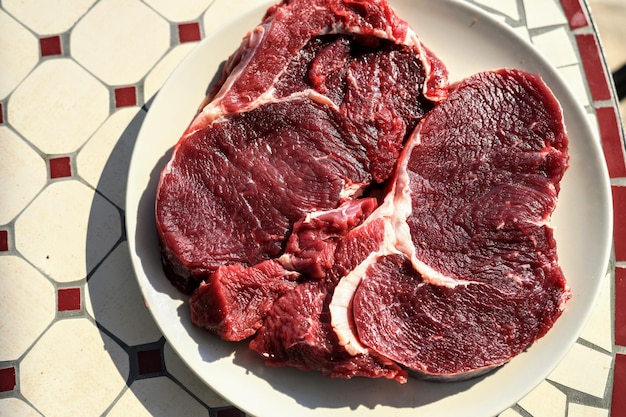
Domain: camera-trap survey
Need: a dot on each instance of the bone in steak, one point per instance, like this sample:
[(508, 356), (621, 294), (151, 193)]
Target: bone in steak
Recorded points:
[(296, 213), (467, 275)]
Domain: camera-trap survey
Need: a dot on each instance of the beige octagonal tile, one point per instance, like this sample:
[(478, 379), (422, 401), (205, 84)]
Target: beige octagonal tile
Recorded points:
[(144, 34), (158, 75), (71, 109), (112, 296), (103, 161), (16, 407), (27, 306), (22, 174), (19, 53), (67, 230), (50, 16), (73, 370), (178, 11), (156, 397)]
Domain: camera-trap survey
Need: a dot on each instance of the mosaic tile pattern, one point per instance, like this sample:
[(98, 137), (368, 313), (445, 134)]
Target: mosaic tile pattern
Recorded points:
[(70, 316)]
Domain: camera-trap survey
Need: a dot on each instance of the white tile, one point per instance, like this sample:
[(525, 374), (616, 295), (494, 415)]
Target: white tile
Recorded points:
[(541, 13), (598, 329), (23, 174), (16, 407), (50, 16), (545, 401), (183, 374), (220, 11), (178, 11), (120, 40), (522, 31), (556, 46), (509, 413), (19, 53), (574, 77), (585, 370), (57, 122), (27, 306), (112, 296), (67, 230), (506, 7), (579, 410), (103, 161), (74, 370), (157, 76), (156, 397)]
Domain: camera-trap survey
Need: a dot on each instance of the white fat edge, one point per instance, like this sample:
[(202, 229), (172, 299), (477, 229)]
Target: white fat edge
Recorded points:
[(340, 305), (403, 209), (210, 111)]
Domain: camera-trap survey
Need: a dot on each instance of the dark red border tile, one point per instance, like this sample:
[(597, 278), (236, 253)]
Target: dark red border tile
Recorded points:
[(575, 15), (618, 404), (7, 379), (611, 141), (619, 223), (68, 299), (4, 240), (50, 46), (149, 361), (594, 69), (228, 412), (620, 306), (1, 113), (125, 96), (60, 167), (189, 32)]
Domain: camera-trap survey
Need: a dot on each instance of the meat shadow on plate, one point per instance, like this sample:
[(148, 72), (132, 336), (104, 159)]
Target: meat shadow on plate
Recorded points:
[(312, 390)]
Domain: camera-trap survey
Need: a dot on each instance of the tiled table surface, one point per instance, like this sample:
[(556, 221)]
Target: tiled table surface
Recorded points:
[(76, 78)]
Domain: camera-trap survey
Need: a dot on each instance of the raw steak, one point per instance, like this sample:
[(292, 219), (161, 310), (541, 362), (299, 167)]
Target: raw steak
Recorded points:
[(467, 274), (297, 330), (312, 108), (297, 214)]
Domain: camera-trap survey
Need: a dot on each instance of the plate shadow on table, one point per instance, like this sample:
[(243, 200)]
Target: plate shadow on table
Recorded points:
[(111, 282)]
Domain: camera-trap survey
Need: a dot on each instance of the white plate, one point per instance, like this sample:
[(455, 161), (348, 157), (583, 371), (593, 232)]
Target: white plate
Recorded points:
[(468, 41)]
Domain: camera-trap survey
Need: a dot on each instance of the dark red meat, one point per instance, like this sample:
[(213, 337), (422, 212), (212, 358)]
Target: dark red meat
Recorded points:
[(284, 132), (476, 279), (298, 215)]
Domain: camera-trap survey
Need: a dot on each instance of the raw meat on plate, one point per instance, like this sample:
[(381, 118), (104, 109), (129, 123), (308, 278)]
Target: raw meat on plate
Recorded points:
[(337, 204)]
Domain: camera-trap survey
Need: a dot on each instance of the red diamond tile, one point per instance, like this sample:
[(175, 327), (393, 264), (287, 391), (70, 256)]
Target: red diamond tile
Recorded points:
[(574, 12), (618, 405), (189, 32), (68, 299), (149, 361), (620, 307), (60, 167), (611, 141), (228, 412), (7, 379), (619, 223), (50, 46), (125, 96), (592, 64), (4, 240)]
